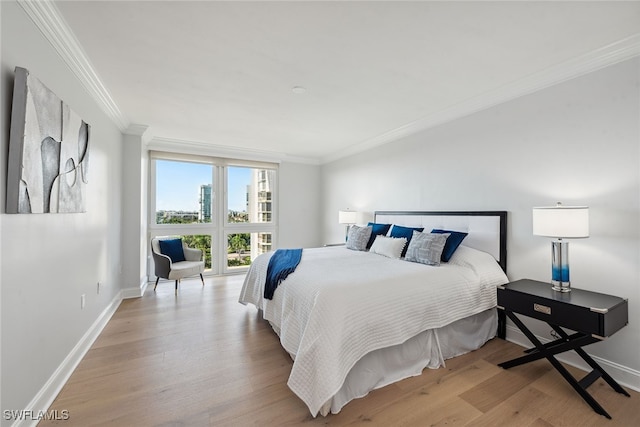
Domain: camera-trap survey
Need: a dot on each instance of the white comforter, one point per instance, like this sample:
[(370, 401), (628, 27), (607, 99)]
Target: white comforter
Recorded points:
[(341, 304)]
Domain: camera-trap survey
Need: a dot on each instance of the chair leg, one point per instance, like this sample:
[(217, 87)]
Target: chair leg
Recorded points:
[(157, 278), (202, 278), (177, 285)]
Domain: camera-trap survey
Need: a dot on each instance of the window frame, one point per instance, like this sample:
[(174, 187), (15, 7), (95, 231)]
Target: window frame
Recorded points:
[(219, 228)]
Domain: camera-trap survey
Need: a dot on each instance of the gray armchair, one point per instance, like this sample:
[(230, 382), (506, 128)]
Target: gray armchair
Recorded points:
[(166, 269)]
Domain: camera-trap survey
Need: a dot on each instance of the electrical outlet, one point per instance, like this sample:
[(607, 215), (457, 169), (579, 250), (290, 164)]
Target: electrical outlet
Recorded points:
[(82, 301)]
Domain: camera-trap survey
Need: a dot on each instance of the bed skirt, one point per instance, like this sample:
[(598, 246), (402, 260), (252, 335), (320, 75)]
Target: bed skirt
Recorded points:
[(428, 349)]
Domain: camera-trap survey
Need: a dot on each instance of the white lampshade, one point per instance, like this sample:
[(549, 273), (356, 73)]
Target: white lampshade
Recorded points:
[(562, 222), (347, 217)]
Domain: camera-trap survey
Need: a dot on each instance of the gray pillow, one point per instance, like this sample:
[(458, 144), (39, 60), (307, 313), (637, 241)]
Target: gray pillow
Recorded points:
[(426, 248), (358, 238)]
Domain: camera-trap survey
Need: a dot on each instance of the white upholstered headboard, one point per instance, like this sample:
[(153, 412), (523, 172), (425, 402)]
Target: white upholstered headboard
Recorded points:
[(487, 229)]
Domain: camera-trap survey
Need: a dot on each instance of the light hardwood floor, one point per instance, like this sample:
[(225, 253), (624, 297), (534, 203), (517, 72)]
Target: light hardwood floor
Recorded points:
[(200, 358)]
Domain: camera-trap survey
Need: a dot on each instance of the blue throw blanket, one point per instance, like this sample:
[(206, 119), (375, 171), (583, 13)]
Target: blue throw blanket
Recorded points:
[(282, 263)]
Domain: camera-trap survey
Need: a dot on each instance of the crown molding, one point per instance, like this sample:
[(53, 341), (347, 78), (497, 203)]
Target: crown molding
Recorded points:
[(142, 132), (47, 18), (207, 149), (611, 54), (136, 129)]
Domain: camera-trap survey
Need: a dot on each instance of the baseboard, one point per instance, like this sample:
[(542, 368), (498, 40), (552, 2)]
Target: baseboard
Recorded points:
[(45, 397), (136, 292), (627, 377)]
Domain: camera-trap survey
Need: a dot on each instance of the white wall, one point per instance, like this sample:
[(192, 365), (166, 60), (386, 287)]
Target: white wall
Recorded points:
[(135, 240), (49, 260), (577, 142), (299, 205)]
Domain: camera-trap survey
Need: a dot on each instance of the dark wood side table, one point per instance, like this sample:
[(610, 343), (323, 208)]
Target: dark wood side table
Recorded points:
[(593, 316)]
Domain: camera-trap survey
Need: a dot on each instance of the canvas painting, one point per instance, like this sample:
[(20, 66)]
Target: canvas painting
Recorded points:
[(48, 151)]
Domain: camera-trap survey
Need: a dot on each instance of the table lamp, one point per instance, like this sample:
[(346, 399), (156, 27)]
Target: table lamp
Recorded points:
[(349, 218), (561, 222)]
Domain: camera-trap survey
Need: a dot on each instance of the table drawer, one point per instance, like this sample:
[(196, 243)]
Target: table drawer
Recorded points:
[(595, 321)]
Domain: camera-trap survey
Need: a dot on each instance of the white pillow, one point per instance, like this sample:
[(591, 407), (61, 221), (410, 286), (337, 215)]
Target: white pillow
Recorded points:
[(388, 246), (483, 264)]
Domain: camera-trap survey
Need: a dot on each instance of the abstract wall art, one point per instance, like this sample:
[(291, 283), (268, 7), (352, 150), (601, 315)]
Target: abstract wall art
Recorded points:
[(48, 151)]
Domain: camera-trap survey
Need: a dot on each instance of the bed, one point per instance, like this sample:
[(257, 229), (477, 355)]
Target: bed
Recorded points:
[(354, 321)]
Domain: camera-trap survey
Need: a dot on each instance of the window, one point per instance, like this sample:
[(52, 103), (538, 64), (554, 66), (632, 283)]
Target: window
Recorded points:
[(239, 250), (223, 206), (183, 192), (249, 192), (242, 248), (202, 242), (249, 200)]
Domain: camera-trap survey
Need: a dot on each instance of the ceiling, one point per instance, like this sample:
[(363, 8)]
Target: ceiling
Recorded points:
[(222, 73)]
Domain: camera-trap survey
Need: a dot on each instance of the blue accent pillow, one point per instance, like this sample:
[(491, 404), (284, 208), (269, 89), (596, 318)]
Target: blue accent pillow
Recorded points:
[(406, 232), (453, 241), (173, 249), (377, 230)]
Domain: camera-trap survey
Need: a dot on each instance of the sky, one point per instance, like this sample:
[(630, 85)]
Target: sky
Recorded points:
[(178, 185)]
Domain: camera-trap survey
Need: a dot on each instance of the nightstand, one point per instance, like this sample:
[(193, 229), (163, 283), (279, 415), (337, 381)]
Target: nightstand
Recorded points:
[(593, 316)]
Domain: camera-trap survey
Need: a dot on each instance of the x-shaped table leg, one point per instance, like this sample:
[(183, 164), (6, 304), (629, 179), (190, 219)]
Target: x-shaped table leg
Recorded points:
[(565, 343)]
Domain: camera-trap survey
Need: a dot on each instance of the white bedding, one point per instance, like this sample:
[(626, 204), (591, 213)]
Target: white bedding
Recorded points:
[(340, 305)]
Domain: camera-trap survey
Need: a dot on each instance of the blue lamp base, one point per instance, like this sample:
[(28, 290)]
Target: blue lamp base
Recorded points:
[(560, 266)]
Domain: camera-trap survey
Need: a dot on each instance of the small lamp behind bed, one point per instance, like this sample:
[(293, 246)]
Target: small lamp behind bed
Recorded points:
[(561, 222), (349, 218)]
